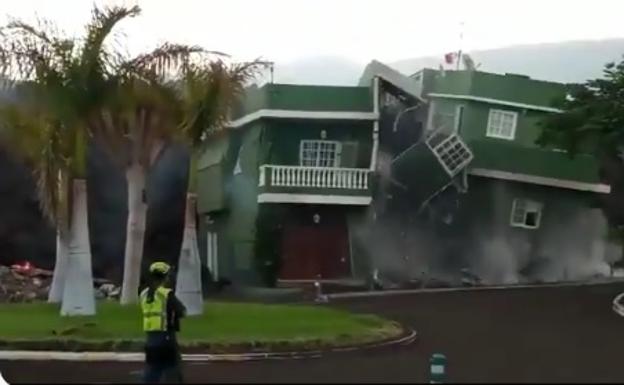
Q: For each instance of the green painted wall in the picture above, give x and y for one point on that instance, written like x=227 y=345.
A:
x=520 y=155
x=512 y=88
x=210 y=176
x=238 y=229
x=306 y=98
x=475 y=120
x=283 y=139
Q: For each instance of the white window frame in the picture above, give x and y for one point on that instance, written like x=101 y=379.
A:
x=492 y=132
x=338 y=146
x=459 y=117
x=452 y=153
x=530 y=207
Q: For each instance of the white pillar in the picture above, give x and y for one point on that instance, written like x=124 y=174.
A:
x=135 y=233
x=188 y=283
x=78 y=292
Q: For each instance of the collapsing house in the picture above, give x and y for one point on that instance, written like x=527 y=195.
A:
x=423 y=177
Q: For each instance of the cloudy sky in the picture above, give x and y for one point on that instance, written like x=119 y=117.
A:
x=388 y=30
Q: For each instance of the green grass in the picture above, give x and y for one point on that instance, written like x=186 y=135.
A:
x=221 y=323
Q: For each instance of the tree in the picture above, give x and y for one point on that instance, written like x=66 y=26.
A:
x=63 y=87
x=209 y=93
x=592 y=122
x=592 y=117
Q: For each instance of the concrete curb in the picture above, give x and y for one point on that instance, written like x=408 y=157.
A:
x=391 y=292
x=617 y=305
x=21 y=355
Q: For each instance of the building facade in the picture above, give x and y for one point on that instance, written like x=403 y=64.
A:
x=420 y=177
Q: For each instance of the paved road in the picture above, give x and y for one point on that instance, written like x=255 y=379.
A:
x=563 y=334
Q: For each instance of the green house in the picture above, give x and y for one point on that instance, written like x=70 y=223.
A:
x=519 y=212
x=298 y=153
x=406 y=176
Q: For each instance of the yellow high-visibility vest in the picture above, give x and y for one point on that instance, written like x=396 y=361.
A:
x=155 y=312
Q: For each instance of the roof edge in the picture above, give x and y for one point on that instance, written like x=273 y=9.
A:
x=543 y=181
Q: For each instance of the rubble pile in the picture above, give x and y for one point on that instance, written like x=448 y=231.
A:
x=26 y=283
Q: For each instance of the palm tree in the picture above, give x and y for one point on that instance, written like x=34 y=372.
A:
x=86 y=90
x=209 y=94
x=63 y=87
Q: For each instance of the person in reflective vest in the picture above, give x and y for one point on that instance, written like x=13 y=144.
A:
x=162 y=311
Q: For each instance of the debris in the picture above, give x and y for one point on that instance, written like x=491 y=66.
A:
x=24 y=282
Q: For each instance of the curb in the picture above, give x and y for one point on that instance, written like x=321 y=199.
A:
x=17 y=355
x=617 y=306
x=389 y=292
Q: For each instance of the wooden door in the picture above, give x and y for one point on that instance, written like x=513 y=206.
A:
x=310 y=251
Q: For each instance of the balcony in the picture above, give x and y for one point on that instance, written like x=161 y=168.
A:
x=314 y=185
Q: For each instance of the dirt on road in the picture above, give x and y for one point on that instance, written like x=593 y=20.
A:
x=554 y=334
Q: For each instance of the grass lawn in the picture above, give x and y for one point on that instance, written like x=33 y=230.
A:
x=221 y=324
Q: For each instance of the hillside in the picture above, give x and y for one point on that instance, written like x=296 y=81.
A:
x=573 y=61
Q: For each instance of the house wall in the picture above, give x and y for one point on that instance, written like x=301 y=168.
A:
x=306 y=98
x=509 y=87
x=475 y=121
x=473 y=231
x=283 y=138
x=234 y=220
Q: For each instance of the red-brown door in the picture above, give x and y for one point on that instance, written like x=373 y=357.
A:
x=309 y=251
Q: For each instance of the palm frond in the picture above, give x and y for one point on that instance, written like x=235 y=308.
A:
x=210 y=94
x=42 y=145
x=167 y=59
x=94 y=57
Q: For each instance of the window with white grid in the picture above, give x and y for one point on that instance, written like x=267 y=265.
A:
x=502 y=124
x=526 y=214
x=453 y=154
x=319 y=153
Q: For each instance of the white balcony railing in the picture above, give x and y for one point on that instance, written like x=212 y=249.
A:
x=314 y=177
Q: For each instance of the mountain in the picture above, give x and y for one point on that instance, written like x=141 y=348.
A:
x=320 y=70
x=572 y=61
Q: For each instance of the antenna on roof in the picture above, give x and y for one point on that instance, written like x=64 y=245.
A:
x=461 y=43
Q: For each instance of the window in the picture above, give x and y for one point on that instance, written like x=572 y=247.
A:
x=526 y=214
x=319 y=153
x=445 y=118
x=452 y=153
x=502 y=124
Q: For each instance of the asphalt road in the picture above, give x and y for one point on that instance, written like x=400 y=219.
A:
x=562 y=334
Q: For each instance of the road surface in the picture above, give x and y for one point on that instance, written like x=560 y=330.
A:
x=561 y=334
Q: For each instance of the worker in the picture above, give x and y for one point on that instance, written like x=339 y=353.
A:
x=162 y=311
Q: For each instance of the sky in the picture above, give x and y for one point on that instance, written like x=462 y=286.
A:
x=358 y=30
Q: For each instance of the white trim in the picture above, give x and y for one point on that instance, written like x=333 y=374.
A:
x=496 y=101
x=490 y=128
x=459 y=115
x=299 y=114
x=337 y=153
x=439 y=152
x=212 y=254
x=375 y=149
x=430 y=113
x=314 y=199
x=552 y=182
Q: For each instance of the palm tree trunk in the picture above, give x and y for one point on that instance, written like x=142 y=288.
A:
x=60 y=267
x=135 y=233
x=78 y=292
x=55 y=295
x=188 y=282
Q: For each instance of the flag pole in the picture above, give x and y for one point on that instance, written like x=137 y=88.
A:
x=461 y=43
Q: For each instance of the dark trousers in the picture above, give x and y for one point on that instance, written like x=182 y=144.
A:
x=162 y=359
